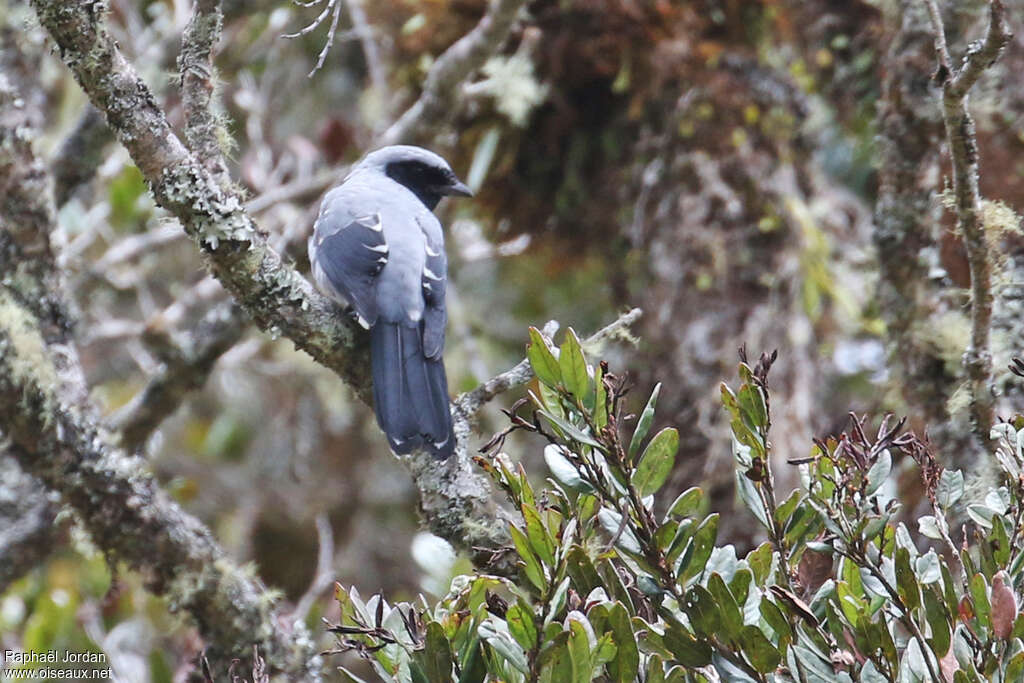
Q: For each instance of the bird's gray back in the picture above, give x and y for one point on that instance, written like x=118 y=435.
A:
x=409 y=228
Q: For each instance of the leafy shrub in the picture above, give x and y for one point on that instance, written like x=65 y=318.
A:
x=610 y=589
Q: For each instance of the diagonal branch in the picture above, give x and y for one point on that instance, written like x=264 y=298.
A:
x=963 y=150
x=52 y=430
x=452 y=69
x=455 y=499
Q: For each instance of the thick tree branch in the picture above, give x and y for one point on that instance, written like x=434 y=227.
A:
x=51 y=429
x=455 y=498
x=963 y=150
x=27 y=531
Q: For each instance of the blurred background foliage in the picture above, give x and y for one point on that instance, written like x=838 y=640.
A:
x=712 y=162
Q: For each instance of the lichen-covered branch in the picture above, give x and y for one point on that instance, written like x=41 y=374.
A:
x=51 y=428
x=906 y=232
x=198 y=82
x=451 y=70
x=27 y=531
x=126 y=512
x=456 y=499
x=963 y=151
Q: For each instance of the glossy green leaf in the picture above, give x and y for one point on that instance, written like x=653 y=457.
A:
x=656 y=462
x=906 y=580
x=436 y=657
x=543 y=362
x=540 y=540
x=627 y=657
x=728 y=607
x=759 y=650
x=686 y=503
x=686 y=649
x=703 y=543
x=520 y=624
x=573 y=366
x=579 y=651
x=643 y=425
x=531 y=565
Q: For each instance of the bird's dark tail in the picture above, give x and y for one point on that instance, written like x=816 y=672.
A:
x=410 y=391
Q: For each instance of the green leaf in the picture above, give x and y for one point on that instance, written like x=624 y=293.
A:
x=656 y=462
x=573 y=366
x=554 y=660
x=950 y=488
x=906 y=580
x=751 y=400
x=495 y=633
x=543 y=362
x=581 y=571
x=760 y=561
x=520 y=624
x=436 y=657
x=474 y=668
x=686 y=649
x=643 y=425
x=759 y=650
x=600 y=399
x=879 y=471
x=627 y=657
x=531 y=565
x=703 y=544
x=579 y=650
x=939 y=620
x=1015 y=668
x=686 y=503
x=776 y=619
x=979 y=596
x=570 y=430
x=728 y=608
x=703 y=610
x=537 y=533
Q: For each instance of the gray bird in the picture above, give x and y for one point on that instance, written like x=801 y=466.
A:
x=378 y=247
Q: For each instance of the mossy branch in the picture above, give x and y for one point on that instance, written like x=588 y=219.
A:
x=963 y=150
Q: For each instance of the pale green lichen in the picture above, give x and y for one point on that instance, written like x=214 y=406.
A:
x=210 y=215
x=27 y=361
x=513 y=85
x=947 y=334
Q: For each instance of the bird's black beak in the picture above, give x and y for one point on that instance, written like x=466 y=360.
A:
x=458 y=188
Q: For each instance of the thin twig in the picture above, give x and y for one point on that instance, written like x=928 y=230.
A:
x=324 y=576
x=470 y=402
x=963 y=150
x=195 y=63
x=371 y=51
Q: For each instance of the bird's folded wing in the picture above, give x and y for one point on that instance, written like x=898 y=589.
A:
x=435 y=280
x=351 y=259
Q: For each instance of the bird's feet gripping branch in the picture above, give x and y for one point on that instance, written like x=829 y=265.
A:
x=378 y=247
